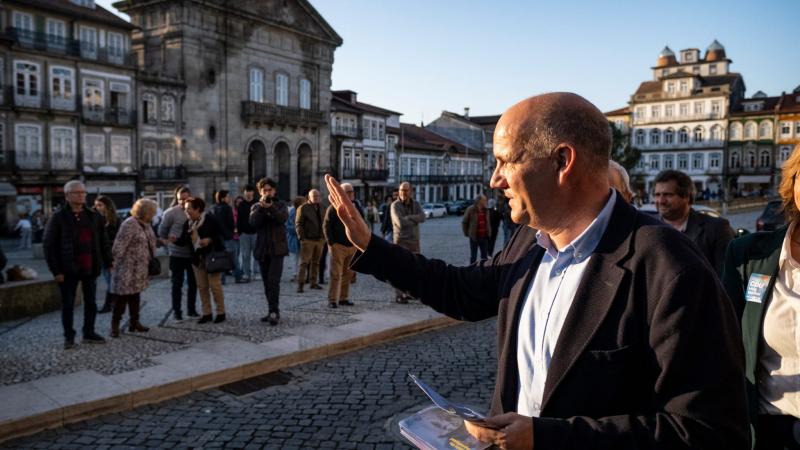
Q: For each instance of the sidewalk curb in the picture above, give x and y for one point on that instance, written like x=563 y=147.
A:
x=27 y=408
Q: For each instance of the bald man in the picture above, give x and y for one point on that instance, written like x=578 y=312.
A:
x=613 y=333
x=619 y=180
x=308 y=225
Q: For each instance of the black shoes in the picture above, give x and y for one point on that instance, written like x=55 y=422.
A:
x=220 y=318
x=346 y=303
x=69 y=344
x=300 y=289
x=316 y=286
x=332 y=305
x=94 y=338
x=193 y=314
x=272 y=318
x=205 y=319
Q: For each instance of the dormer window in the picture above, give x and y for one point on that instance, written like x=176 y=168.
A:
x=712 y=69
x=85 y=3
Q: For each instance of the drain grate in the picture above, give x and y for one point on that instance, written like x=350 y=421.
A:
x=257 y=383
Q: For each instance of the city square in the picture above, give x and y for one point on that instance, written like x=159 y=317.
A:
x=245 y=224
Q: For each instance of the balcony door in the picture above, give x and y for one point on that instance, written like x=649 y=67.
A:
x=304 y=173
x=256 y=162
x=282 y=169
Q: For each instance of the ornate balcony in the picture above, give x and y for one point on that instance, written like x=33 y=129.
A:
x=163 y=173
x=353 y=132
x=119 y=117
x=256 y=113
x=365 y=174
x=15 y=161
x=68 y=47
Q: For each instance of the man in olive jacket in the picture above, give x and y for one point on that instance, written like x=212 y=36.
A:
x=476 y=225
x=268 y=219
x=308 y=224
x=76 y=248
x=613 y=330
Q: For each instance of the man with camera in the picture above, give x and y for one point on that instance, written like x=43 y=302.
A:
x=268 y=217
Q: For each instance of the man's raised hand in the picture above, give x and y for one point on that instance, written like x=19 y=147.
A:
x=356 y=228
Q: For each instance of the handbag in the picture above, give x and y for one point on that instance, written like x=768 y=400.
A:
x=218 y=261
x=154 y=265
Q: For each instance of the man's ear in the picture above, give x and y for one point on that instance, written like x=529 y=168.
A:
x=565 y=159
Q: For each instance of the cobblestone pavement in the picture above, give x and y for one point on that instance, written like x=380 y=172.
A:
x=32 y=348
x=352 y=401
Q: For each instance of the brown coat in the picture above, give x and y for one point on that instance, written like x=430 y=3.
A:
x=131 y=256
x=308 y=222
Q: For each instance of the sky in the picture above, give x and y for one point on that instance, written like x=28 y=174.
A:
x=421 y=57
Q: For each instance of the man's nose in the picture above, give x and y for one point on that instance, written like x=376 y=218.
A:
x=498 y=181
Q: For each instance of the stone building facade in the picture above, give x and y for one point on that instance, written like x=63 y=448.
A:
x=250 y=82
x=67 y=104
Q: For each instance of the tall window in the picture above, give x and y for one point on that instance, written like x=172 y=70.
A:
x=23 y=24
x=751 y=159
x=683 y=161
x=735 y=130
x=764 y=159
x=697 y=161
x=27 y=79
x=639 y=137
x=715 y=108
x=765 y=130
x=62 y=147
x=698 y=134
x=168 y=154
x=712 y=69
x=62 y=83
x=716 y=133
x=786 y=151
x=282 y=89
x=797 y=126
x=56 y=33
x=655 y=162
x=684 y=87
x=149 y=111
x=94 y=148
x=735 y=160
x=669 y=110
x=669 y=162
x=256 y=85
x=88 y=42
x=167 y=109
x=655 y=111
x=683 y=136
x=684 y=109
x=28 y=146
x=305 y=94
x=120 y=149
x=639 y=113
x=655 y=136
x=713 y=160
x=786 y=128
x=750 y=130
x=150 y=154
x=671 y=87
x=116 y=47
x=669 y=136
x=698 y=108
x=93 y=94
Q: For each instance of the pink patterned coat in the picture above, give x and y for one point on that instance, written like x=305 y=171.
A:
x=131 y=256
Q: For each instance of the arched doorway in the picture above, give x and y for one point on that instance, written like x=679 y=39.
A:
x=282 y=169
x=304 y=173
x=256 y=162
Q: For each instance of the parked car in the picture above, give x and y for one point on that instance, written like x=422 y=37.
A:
x=772 y=217
x=458 y=207
x=434 y=210
x=651 y=209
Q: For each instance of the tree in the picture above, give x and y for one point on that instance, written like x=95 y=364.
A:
x=621 y=150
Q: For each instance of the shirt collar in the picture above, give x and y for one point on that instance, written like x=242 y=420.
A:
x=584 y=245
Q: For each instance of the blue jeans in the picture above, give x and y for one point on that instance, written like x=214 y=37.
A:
x=179 y=269
x=232 y=247
x=247 y=243
x=68 y=289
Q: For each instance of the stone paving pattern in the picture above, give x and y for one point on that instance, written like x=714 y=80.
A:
x=32 y=348
x=354 y=401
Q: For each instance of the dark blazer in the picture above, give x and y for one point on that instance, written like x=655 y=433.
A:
x=270 y=227
x=3 y=262
x=650 y=355
x=755 y=253
x=308 y=222
x=712 y=235
x=224 y=214
x=209 y=229
x=333 y=228
x=243 y=210
x=61 y=239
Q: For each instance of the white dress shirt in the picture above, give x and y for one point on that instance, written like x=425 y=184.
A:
x=547 y=304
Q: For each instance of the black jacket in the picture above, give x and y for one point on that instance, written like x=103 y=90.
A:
x=270 y=226
x=243 y=223
x=224 y=214
x=334 y=229
x=650 y=354
x=61 y=238
x=712 y=236
x=3 y=262
x=209 y=229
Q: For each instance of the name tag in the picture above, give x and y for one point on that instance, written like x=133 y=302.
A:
x=757 y=287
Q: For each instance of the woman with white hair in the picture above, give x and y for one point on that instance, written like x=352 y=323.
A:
x=133 y=247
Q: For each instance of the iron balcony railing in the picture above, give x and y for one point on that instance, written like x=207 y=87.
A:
x=68 y=47
x=365 y=174
x=163 y=173
x=268 y=113
x=441 y=179
x=121 y=117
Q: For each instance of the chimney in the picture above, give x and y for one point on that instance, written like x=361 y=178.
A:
x=353 y=97
x=466 y=112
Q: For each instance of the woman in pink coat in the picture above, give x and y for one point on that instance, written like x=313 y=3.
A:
x=133 y=247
